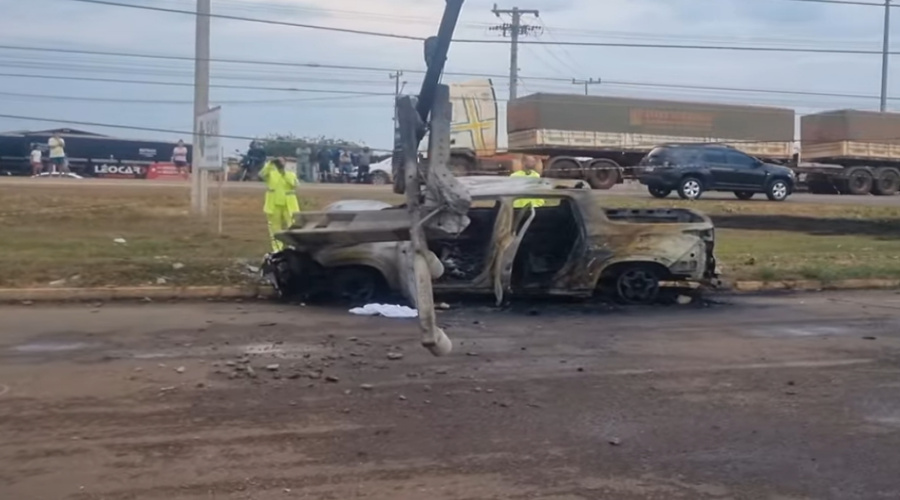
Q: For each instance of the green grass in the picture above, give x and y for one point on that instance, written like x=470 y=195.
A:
x=55 y=232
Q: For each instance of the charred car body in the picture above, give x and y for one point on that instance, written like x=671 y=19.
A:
x=570 y=246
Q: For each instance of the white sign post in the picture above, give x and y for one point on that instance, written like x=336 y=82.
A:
x=207 y=152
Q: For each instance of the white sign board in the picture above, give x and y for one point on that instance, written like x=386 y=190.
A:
x=208 y=150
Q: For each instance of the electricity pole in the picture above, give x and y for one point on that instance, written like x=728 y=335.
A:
x=200 y=177
x=884 y=54
x=587 y=83
x=397 y=89
x=514 y=30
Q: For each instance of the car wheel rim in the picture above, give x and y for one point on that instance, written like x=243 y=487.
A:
x=692 y=189
x=779 y=190
x=638 y=286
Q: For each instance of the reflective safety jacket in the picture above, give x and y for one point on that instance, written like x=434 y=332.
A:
x=281 y=194
x=524 y=202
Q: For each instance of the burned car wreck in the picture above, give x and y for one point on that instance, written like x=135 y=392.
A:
x=571 y=246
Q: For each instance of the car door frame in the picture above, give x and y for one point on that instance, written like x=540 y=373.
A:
x=749 y=177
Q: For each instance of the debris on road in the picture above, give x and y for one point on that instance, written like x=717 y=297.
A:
x=387 y=310
x=273 y=367
x=181 y=369
x=332 y=379
x=177 y=266
x=394 y=356
x=367 y=387
x=615 y=441
x=120 y=241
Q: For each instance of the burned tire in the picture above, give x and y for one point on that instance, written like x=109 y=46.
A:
x=690 y=188
x=659 y=192
x=637 y=284
x=744 y=195
x=887 y=182
x=602 y=174
x=778 y=190
x=357 y=285
x=859 y=181
x=380 y=178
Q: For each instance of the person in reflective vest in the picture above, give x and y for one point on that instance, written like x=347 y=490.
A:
x=281 y=199
x=529 y=165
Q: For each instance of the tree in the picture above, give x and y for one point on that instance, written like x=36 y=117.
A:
x=287 y=144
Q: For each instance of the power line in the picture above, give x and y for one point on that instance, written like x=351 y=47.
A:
x=131 y=127
x=255 y=20
x=742 y=48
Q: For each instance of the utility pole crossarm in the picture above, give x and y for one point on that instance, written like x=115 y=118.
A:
x=587 y=83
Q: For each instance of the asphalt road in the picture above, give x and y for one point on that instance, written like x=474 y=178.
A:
x=628 y=190
x=781 y=398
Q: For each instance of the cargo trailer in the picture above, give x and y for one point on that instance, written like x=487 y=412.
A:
x=850 y=152
x=602 y=139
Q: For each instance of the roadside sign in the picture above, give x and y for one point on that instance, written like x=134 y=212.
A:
x=208 y=150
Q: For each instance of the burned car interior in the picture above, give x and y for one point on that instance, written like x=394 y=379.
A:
x=547 y=245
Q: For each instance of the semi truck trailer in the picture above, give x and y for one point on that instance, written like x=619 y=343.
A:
x=603 y=139
x=850 y=152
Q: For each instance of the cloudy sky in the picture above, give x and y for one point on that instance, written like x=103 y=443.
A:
x=312 y=101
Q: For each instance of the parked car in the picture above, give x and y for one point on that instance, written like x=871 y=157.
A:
x=570 y=246
x=381 y=173
x=692 y=169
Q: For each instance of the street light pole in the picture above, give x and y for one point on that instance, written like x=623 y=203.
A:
x=885 y=53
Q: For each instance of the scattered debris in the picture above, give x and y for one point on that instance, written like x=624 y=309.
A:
x=161 y=281
x=294 y=376
x=167 y=389
x=273 y=367
x=353 y=339
x=367 y=387
x=200 y=385
x=332 y=379
x=250 y=371
x=402 y=397
x=615 y=441
x=267 y=324
x=870 y=338
x=442 y=306
x=177 y=266
x=386 y=310
x=314 y=375
x=394 y=356
x=472 y=354
x=684 y=300
x=120 y=241
x=27 y=303
x=181 y=369
x=230 y=363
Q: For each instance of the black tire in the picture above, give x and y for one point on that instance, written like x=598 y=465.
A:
x=357 y=286
x=690 y=188
x=659 y=192
x=778 y=190
x=637 y=285
x=563 y=168
x=602 y=174
x=859 y=181
x=887 y=182
x=744 y=195
x=380 y=178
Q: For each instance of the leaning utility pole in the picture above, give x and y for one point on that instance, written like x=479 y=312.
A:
x=884 y=54
x=514 y=30
x=199 y=176
x=587 y=83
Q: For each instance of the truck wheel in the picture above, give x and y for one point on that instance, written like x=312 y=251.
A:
x=887 y=182
x=563 y=168
x=778 y=190
x=659 y=192
x=602 y=174
x=380 y=178
x=859 y=181
x=638 y=284
x=744 y=195
x=691 y=188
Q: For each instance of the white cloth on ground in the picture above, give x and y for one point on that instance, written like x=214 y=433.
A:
x=386 y=310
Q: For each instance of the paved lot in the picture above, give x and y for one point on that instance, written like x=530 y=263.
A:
x=793 y=397
x=629 y=190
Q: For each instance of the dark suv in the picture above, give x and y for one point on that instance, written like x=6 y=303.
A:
x=691 y=169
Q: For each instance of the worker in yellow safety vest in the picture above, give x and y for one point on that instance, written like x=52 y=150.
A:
x=281 y=198
x=529 y=165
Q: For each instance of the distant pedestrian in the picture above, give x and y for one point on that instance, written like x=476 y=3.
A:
x=365 y=161
x=180 y=157
x=345 y=165
x=57 y=147
x=37 y=161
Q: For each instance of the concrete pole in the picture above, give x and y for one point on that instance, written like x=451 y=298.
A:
x=199 y=179
x=514 y=55
x=885 y=53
